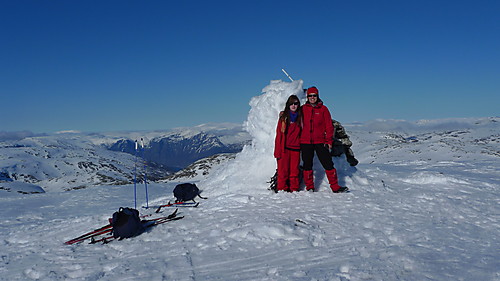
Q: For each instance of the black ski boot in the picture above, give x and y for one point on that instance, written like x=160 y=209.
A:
x=342 y=189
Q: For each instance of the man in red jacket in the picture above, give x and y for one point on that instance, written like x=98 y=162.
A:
x=317 y=136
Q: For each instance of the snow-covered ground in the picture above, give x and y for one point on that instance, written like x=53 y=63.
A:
x=424 y=205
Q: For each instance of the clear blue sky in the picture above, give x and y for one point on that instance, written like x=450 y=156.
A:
x=144 y=65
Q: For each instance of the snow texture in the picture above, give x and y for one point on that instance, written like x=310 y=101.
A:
x=424 y=205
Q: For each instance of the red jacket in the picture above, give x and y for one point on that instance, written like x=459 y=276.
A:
x=317 y=124
x=286 y=137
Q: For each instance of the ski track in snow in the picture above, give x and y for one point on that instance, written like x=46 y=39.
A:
x=422 y=207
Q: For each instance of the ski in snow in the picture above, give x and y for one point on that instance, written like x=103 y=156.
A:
x=176 y=204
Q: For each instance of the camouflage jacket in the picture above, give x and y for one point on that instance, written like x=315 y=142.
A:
x=340 y=136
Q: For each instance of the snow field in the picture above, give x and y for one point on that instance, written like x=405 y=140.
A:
x=379 y=231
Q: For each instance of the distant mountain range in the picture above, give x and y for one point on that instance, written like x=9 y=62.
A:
x=177 y=151
x=63 y=162
x=77 y=160
x=384 y=141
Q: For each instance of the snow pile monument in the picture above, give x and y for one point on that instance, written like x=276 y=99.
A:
x=248 y=173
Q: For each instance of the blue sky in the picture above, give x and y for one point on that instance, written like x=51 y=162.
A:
x=152 y=65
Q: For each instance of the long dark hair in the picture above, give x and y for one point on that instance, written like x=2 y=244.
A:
x=286 y=112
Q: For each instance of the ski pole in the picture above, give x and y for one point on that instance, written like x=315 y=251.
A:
x=145 y=173
x=135 y=176
x=284 y=71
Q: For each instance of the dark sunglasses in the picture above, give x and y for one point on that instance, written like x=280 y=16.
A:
x=312 y=96
x=295 y=103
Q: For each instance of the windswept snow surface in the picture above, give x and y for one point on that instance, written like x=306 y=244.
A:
x=424 y=205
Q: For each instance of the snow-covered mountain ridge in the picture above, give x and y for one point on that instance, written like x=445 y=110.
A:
x=384 y=141
x=72 y=161
x=178 y=150
x=67 y=161
x=64 y=162
x=471 y=139
x=201 y=168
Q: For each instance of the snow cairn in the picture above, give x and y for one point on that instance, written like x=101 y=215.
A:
x=249 y=172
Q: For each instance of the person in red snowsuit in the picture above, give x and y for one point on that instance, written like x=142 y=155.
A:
x=317 y=136
x=287 y=145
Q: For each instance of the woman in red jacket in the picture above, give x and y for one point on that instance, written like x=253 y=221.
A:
x=317 y=136
x=287 y=145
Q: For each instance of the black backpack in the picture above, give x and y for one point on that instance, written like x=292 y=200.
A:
x=186 y=191
x=126 y=223
x=274 y=182
x=337 y=148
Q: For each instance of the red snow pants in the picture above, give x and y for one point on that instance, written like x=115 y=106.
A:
x=288 y=170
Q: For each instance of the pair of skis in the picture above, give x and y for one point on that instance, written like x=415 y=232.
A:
x=89 y=235
x=92 y=235
x=147 y=224
x=175 y=204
